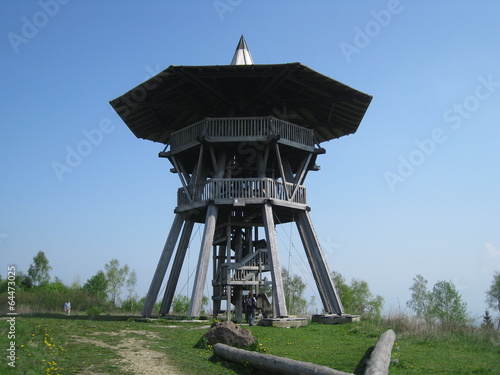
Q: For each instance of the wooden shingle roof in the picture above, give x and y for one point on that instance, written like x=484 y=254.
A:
x=182 y=95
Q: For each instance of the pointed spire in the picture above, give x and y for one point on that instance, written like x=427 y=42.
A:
x=242 y=54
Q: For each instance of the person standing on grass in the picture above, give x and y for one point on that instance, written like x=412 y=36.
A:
x=67 y=307
x=250 y=306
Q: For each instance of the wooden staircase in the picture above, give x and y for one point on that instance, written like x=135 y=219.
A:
x=241 y=270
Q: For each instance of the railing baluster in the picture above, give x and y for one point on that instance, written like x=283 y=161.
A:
x=241 y=188
x=242 y=127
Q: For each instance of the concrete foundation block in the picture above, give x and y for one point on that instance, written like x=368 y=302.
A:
x=335 y=319
x=283 y=322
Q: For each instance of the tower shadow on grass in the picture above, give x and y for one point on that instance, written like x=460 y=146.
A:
x=110 y=318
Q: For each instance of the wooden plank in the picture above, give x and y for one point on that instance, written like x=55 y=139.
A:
x=294 y=144
x=244 y=282
x=238 y=139
x=191 y=206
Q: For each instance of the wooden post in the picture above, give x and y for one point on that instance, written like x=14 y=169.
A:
x=176 y=267
x=238 y=308
x=278 y=292
x=201 y=272
x=162 y=266
x=272 y=364
x=229 y=289
x=326 y=288
x=380 y=359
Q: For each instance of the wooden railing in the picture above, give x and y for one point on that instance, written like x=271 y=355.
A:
x=248 y=268
x=237 y=188
x=228 y=128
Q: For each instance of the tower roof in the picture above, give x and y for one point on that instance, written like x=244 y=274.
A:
x=242 y=54
x=182 y=95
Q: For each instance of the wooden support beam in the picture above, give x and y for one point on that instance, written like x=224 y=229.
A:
x=287 y=168
x=218 y=259
x=238 y=308
x=261 y=164
x=282 y=171
x=181 y=177
x=272 y=245
x=266 y=154
x=301 y=173
x=271 y=85
x=162 y=266
x=185 y=174
x=199 y=174
x=205 y=250
x=198 y=170
x=213 y=158
x=228 y=274
x=216 y=93
x=176 y=267
x=328 y=292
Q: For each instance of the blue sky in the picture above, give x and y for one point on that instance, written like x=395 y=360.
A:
x=414 y=191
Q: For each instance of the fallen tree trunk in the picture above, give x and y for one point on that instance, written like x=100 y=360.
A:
x=272 y=363
x=380 y=358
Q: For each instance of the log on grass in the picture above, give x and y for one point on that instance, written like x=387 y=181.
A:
x=380 y=358
x=272 y=363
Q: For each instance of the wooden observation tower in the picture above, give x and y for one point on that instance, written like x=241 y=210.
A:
x=241 y=138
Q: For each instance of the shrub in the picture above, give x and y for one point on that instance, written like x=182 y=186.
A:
x=93 y=311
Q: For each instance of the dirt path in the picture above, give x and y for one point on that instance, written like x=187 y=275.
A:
x=136 y=357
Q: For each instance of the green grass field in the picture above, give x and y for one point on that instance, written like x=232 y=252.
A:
x=58 y=344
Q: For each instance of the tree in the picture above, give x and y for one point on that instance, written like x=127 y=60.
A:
x=420 y=297
x=131 y=304
x=39 y=270
x=131 y=284
x=116 y=277
x=363 y=300
x=56 y=286
x=447 y=305
x=487 y=321
x=293 y=288
x=22 y=281
x=97 y=285
x=443 y=304
x=204 y=304
x=180 y=304
x=493 y=294
x=357 y=297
